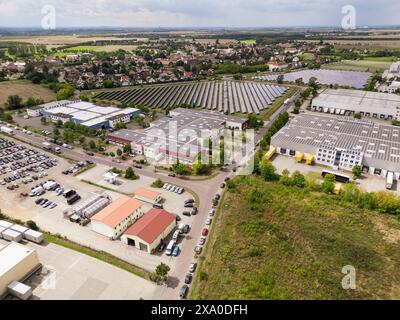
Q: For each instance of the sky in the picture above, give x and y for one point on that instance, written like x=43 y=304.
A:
x=197 y=13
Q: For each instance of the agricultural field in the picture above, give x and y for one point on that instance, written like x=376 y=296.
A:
x=273 y=242
x=25 y=89
x=327 y=77
x=107 y=48
x=251 y=41
x=61 y=40
x=225 y=96
x=360 y=65
x=380 y=44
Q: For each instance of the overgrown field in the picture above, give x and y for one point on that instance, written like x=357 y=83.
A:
x=25 y=89
x=273 y=241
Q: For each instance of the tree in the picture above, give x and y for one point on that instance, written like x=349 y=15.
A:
x=14 y=102
x=130 y=174
x=285 y=178
x=43 y=120
x=119 y=152
x=268 y=170
x=329 y=184
x=92 y=145
x=238 y=76
x=180 y=168
x=357 y=171
x=158 y=183
x=127 y=148
x=200 y=168
x=357 y=116
x=64 y=91
x=280 y=79
x=298 y=179
x=56 y=132
x=161 y=273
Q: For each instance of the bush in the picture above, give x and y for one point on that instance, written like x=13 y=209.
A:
x=32 y=225
x=130 y=174
x=158 y=184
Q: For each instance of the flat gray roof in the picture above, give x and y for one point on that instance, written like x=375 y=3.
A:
x=357 y=99
x=376 y=141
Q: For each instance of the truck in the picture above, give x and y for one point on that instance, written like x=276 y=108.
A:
x=7 y=130
x=47 y=146
x=389 y=180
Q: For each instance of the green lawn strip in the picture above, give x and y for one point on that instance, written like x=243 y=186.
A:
x=267 y=113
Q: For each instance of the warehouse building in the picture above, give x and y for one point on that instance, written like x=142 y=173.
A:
x=150 y=230
x=180 y=136
x=17 y=263
x=84 y=113
x=113 y=220
x=341 y=143
x=368 y=104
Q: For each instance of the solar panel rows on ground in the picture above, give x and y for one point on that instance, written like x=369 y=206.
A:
x=327 y=77
x=226 y=96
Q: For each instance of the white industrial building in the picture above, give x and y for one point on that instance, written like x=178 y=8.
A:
x=17 y=262
x=342 y=143
x=349 y=102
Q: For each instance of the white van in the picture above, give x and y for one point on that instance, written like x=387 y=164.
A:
x=170 y=247
x=176 y=235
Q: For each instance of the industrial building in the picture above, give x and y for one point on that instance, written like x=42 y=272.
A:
x=150 y=230
x=147 y=195
x=84 y=113
x=113 y=220
x=341 y=143
x=17 y=263
x=349 y=102
x=180 y=136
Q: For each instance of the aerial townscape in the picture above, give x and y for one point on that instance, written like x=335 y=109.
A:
x=188 y=162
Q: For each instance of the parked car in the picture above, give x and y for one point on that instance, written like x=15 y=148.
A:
x=189 y=205
x=189 y=201
x=202 y=241
x=188 y=278
x=183 y=291
x=178 y=218
x=194 y=211
x=192 y=267
x=186 y=213
x=176 y=251
x=211 y=213
x=161 y=247
x=208 y=221
x=198 y=249
x=222 y=186
x=172 y=175
x=204 y=232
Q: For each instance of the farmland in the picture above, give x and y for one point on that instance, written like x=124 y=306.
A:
x=360 y=65
x=25 y=89
x=225 y=96
x=276 y=242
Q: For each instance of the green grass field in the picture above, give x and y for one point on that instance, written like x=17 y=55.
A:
x=361 y=65
x=275 y=242
x=381 y=59
x=250 y=41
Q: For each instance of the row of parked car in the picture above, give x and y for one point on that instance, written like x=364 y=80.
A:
x=76 y=167
x=199 y=248
x=172 y=188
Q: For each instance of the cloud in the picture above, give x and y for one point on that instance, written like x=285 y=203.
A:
x=196 y=13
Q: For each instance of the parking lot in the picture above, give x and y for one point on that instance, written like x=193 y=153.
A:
x=69 y=275
x=367 y=182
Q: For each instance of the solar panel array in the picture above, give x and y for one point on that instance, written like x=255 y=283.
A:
x=353 y=79
x=224 y=96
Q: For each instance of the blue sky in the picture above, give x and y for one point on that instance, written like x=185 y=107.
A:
x=197 y=13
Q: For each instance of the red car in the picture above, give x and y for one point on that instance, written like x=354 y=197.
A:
x=204 y=232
